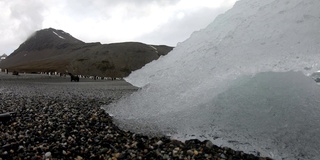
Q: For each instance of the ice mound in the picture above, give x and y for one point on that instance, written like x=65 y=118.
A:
x=220 y=83
x=275 y=114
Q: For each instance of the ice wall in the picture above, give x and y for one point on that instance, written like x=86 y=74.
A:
x=181 y=92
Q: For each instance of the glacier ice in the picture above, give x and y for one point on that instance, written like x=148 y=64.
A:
x=239 y=82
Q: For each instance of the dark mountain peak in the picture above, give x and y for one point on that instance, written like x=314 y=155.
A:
x=47 y=39
x=3 y=57
x=52 y=50
x=59 y=35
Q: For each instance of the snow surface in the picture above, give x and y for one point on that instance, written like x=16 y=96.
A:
x=58 y=35
x=235 y=82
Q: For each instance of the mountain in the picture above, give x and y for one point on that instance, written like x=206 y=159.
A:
x=50 y=50
x=47 y=39
x=3 y=57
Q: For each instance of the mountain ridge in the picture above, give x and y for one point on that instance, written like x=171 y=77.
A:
x=50 y=50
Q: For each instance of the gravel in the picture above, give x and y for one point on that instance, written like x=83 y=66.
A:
x=52 y=118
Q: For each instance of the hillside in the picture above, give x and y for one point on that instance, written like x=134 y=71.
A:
x=51 y=50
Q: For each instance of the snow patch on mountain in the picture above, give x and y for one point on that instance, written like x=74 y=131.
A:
x=58 y=35
x=155 y=49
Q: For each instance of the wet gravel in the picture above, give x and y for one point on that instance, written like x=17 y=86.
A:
x=53 y=118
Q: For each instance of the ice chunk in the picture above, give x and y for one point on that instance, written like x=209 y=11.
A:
x=275 y=114
x=204 y=76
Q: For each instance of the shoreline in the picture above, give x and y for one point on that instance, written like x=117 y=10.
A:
x=58 y=119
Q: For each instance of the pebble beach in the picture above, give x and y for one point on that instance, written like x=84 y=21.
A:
x=53 y=118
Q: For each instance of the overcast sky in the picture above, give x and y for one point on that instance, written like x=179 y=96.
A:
x=107 y=21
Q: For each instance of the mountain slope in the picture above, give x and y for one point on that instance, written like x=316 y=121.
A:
x=51 y=50
x=47 y=39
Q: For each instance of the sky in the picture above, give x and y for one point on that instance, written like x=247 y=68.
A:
x=158 y=22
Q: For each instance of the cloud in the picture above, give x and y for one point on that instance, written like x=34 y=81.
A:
x=109 y=21
x=106 y=21
x=180 y=27
x=18 y=20
x=27 y=18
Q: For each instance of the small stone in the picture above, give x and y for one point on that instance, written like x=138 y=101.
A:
x=166 y=156
x=79 y=158
x=209 y=144
x=223 y=156
x=207 y=156
x=159 y=143
x=103 y=150
x=134 y=144
x=158 y=152
x=133 y=155
x=20 y=148
x=195 y=152
x=117 y=155
x=174 y=151
x=64 y=152
x=47 y=155
x=189 y=152
x=127 y=146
